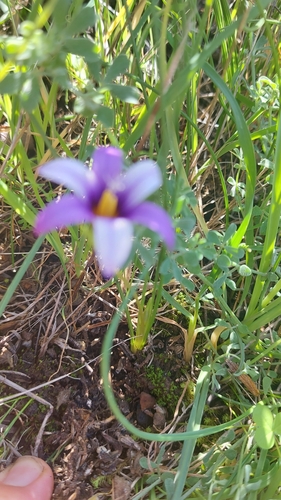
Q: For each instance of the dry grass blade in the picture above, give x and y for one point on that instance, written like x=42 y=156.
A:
x=40 y=400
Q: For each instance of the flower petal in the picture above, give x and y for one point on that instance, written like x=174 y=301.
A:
x=155 y=218
x=65 y=211
x=140 y=181
x=107 y=165
x=113 y=243
x=73 y=174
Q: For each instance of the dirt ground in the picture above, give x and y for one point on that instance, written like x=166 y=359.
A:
x=50 y=343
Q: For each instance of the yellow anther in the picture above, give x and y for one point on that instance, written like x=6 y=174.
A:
x=107 y=206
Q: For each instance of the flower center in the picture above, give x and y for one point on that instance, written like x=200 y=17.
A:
x=107 y=206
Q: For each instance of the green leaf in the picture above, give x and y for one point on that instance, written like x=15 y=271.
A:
x=145 y=465
x=12 y=83
x=264 y=437
x=209 y=253
x=244 y=270
x=186 y=224
x=95 y=69
x=192 y=258
x=106 y=116
x=177 y=273
x=262 y=414
x=223 y=261
x=277 y=424
x=235 y=253
x=229 y=232
x=169 y=487
x=119 y=66
x=174 y=303
x=214 y=237
x=264 y=434
x=82 y=47
x=230 y=453
x=80 y=22
x=231 y=284
x=60 y=15
x=88 y=104
x=30 y=94
x=125 y=93
x=219 y=282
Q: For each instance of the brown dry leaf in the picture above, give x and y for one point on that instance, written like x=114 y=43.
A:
x=244 y=379
x=159 y=418
x=172 y=322
x=146 y=401
x=6 y=357
x=127 y=441
x=216 y=334
x=63 y=397
x=121 y=488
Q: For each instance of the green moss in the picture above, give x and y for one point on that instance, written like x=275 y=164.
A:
x=99 y=481
x=163 y=388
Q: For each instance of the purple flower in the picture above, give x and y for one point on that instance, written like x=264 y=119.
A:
x=111 y=199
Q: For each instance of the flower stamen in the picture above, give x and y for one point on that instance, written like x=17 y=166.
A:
x=107 y=206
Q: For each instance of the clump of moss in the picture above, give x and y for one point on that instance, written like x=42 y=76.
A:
x=163 y=388
x=211 y=418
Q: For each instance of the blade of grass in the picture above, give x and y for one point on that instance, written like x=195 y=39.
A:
x=194 y=422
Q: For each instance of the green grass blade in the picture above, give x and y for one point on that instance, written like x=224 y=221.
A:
x=194 y=421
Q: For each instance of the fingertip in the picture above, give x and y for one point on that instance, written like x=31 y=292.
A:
x=28 y=478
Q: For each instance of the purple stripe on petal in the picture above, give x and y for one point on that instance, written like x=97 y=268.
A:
x=107 y=165
x=140 y=181
x=74 y=175
x=155 y=218
x=65 y=211
x=113 y=243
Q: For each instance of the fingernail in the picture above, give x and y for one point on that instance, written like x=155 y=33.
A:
x=23 y=472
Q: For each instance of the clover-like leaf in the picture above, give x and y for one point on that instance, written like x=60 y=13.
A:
x=264 y=433
x=244 y=270
x=277 y=424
